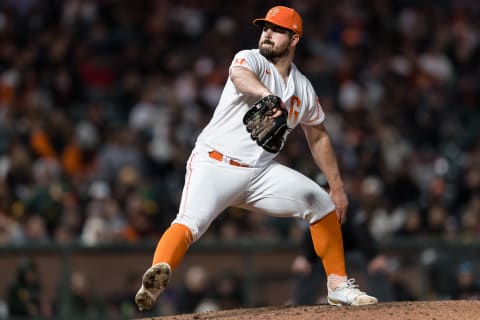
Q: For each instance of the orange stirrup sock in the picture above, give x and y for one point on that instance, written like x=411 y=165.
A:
x=328 y=243
x=173 y=245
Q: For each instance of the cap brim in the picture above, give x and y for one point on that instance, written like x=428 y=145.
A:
x=260 y=22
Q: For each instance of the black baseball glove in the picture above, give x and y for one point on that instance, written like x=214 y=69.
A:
x=268 y=132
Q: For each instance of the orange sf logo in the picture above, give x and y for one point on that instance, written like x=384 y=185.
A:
x=273 y=11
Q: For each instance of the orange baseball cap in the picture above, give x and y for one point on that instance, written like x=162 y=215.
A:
x=283 y=17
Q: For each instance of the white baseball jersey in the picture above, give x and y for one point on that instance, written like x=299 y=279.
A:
x=264 y=186
x=226 y=131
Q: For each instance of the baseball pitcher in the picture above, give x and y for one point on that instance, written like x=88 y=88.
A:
x=232 y=163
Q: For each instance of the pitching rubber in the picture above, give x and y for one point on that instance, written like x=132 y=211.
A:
x=154 y=282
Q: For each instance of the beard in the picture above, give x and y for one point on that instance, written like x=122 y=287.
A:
x=267 y=49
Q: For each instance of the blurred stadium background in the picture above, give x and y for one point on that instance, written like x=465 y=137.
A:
x=100 y=104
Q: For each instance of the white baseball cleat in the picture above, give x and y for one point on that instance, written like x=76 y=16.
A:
x=154 y=281
x=348 y=294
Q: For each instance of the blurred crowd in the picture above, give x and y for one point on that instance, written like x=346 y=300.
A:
x=101 y=102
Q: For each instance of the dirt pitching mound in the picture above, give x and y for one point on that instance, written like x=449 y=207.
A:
x=419 y=310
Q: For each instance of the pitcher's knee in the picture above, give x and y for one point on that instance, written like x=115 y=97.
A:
x=197 y=228
x=317 y=216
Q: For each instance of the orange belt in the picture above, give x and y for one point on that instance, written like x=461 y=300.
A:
x=220 y=157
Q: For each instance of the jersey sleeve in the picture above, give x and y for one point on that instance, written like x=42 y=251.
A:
x=247 y=59
x=314 y=113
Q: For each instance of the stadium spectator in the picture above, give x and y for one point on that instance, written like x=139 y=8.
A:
x=80 y=298
x=25 y=296
x=194 y=290
x=467 y=286
x=227 y=292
